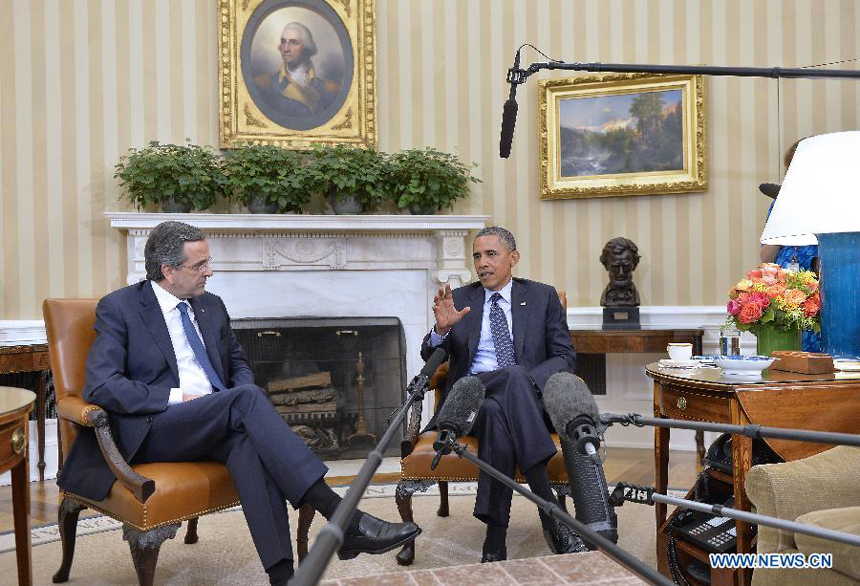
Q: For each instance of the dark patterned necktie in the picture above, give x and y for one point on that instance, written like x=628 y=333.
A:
x=199 y=349
x=501 y=333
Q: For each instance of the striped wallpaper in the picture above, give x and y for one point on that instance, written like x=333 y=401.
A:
x=83 y=80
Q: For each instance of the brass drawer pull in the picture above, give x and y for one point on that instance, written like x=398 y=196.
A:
x=346 y=333
x=18 y=439
x=682 y=403
x=268 y=333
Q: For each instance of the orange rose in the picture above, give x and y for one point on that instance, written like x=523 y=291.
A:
x=810 y=307
x=749 y=313
x=754 y=274
x=794 y=296
x=775 y=290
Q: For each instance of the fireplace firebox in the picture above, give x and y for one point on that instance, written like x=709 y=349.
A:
x=335 y=381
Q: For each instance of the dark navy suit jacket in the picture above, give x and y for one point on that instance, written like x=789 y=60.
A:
x=131 y=368
x=542 y=343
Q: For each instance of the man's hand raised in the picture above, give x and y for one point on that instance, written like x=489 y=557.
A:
x=444 y=310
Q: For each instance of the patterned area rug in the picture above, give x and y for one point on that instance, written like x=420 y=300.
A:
x=225 y=553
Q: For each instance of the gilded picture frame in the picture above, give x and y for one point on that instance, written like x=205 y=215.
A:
x=297 y=72
x=621 y=134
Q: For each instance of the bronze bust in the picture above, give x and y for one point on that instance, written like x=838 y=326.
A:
x=620 y=257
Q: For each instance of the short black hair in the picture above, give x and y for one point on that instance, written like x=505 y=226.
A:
x=506 y=238
x=165 y=247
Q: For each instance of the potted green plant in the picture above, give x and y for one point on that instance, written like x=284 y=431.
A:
x=178 y=177
x=427 y=180
x=267 y=178
x=353 y=178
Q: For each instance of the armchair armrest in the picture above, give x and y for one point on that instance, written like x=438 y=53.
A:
x=76 y=410
x=437 y=381
x=788 y=490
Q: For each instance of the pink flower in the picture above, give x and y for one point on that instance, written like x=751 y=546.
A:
x=749 y=313
x=759 y=298
x=811 y=306
x=733 y=307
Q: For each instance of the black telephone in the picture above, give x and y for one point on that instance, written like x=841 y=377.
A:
x=719 y=455
x=710 y=532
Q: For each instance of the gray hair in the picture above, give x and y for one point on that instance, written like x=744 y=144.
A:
x=165 y=246
x=305 y=37
x=506 y=238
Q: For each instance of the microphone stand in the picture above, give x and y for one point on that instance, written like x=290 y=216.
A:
x=647 y=495
x=331 y=536
x=753 y=431
x=556 y=512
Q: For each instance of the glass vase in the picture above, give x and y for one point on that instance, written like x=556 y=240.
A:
x=769 y=338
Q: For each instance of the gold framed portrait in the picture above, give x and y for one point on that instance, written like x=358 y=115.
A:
x=297 y=72
x=621 y=134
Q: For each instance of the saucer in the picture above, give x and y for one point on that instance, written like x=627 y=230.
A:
x=668 y=363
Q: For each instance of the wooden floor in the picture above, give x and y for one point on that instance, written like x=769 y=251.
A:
x=635 y=466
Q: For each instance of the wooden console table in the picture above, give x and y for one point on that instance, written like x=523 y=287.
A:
x=652 y=341
x=824 y=402
x=31 y=358
x=15 y=405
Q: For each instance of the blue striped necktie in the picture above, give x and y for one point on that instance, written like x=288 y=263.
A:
x=199 y=349
x=501 y=333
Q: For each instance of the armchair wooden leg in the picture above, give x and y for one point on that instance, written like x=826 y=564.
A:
x=306 y=517
x=443 y=499
x=67 y=519
x=403 y=498
x=191 y=531
x=144 y=546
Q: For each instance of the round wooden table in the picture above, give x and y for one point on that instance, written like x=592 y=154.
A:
x=15 y=405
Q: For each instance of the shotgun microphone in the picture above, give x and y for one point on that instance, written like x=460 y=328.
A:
x=509 y=112
x=574 y=414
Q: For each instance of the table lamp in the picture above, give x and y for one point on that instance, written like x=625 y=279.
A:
x=819 y=202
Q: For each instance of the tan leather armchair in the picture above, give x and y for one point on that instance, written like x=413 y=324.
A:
x=151 y=500
x=417 y=453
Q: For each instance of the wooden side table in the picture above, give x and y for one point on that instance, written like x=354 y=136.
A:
x=31 y=358
x=15 y=405
x=822 y=402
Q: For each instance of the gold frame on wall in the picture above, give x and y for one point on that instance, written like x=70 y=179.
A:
x=248 y=112
x=693 y=175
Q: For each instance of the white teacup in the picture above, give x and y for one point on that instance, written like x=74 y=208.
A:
x=680 y=351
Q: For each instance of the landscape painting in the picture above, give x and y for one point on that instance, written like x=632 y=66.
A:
x=622 y=134
x=628 y=133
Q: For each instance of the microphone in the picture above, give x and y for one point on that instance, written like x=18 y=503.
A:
x=509 y=112
x=457 y=414
x=422 y=379
x=573 y=413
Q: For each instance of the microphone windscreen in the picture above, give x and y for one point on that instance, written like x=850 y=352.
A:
x=509 y=120
x=433 y=362
x=566 y=397
x=462 y=404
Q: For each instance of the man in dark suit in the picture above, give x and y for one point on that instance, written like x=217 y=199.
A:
x=472 y=325
x=167 y=368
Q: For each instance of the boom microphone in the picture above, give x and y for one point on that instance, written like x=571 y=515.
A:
x=423 y=378
x=509 y=113
x=573 y=413
x=457 y=414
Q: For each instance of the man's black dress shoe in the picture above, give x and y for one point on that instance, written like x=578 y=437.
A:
x=563 y=539
x=376 y=536
x=498 y=555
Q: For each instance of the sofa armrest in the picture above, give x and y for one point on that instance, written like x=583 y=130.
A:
x=791 y=489
x=76 y=410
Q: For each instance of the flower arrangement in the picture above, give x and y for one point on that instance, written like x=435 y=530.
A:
x=773 y=296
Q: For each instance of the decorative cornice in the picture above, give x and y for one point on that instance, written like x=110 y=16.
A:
x=278 y=224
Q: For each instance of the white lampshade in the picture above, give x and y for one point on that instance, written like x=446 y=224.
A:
x=820 y=193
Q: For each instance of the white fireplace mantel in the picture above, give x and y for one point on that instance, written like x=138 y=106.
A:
x=273 y=265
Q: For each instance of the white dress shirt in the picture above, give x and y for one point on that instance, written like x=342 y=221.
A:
x=485 y=355
x=192 y=377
